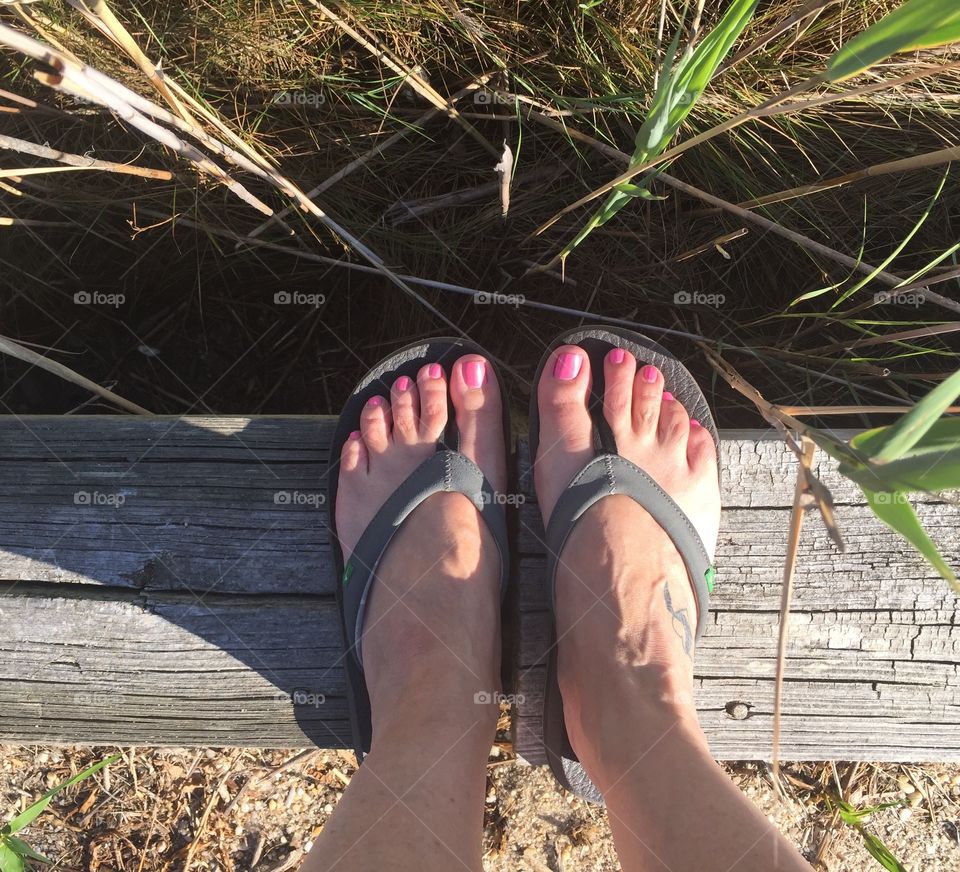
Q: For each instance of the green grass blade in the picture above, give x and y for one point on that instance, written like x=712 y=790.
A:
x=928 y=471
x=24 y=850
x=679 y=90
x=880 y=852
x=916 y=24
x=942 y=436
x=27 y=816
x=900 y=247
x=896 y=512
x=10 y=860
x=909 y=430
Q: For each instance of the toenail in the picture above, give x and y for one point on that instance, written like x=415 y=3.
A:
x=475 y=374
x=694 y=423
x=649 y=373
x=567 y=366
x=374 y=401
x=403 y=383
x=617 y=355
x=667 y=395
x=355 y=435
x=434 y=370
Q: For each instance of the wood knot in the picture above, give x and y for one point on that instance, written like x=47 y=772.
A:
x=737 y=710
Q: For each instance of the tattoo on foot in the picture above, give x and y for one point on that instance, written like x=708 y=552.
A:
x=681 y=623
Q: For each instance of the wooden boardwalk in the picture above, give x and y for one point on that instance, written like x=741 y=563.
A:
x=165 y=581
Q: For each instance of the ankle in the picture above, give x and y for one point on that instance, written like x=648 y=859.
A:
x=439 y=710
x=613 y=730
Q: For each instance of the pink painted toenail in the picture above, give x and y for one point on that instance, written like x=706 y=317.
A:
x=374 y=401
x=567 y=366
x=617 y=355
x=667 y=395
x=649 y=373
x=355 y=435
x=403 y=383
x=475 y=374
x=694 y=423
x=435 y=370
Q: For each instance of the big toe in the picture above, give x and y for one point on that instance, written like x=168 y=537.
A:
x=566 y=431
x=475 y=394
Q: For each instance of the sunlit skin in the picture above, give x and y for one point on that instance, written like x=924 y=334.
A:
x=624 y=619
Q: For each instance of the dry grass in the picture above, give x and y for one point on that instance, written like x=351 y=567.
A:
x=199 y=329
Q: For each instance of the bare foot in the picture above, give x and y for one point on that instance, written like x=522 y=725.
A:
x=625 y=611
x=431 y=631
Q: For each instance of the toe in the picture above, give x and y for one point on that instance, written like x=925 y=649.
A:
x=619 y=368
x=566 y=431
x=375 y=424
x=562 y=396
x=353 y=456
x=476 y=399
x=701 y=452
x=673 y=428
x=647 y=395
x=405 y=410
x=432 y=385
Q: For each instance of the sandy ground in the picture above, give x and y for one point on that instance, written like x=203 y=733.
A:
x=173 y=809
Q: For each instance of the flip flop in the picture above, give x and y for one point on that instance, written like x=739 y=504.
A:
x=446 y=471
x=610 y=473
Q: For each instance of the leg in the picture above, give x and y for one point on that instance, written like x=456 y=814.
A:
x=431 y=637
x=625 y=619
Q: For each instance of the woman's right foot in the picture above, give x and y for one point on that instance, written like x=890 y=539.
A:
x=625 y=611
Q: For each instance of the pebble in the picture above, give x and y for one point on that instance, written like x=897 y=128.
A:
x=905 y=814
x=916 y=799
x=328 y=809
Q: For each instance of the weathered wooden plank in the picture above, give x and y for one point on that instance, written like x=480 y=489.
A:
x=231 y=504
x=191 y=610
x=873 y=668
x=96 y=666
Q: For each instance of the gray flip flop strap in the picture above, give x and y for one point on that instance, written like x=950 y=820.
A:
x=445 y=471
x=609 y=474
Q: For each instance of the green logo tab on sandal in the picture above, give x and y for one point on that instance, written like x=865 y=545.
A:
x=347 y=573
x=708 y=577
